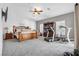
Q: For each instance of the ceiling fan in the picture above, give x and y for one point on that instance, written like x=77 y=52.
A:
x=37 y=10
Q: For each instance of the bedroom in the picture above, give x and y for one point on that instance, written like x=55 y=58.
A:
x=29 y=21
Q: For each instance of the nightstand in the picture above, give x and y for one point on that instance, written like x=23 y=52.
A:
x=8 y=35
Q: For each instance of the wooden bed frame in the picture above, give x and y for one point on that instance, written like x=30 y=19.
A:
x=27 y=35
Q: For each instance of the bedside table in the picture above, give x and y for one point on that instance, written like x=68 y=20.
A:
x=8 y=35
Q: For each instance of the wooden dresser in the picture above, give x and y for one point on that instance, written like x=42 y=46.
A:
x=8 y=36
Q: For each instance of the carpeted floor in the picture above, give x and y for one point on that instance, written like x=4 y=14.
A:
x=36 y=47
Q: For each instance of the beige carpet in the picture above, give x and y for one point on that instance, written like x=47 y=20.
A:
x=36 y=47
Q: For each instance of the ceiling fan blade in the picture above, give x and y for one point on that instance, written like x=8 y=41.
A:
x=38 y=12
x=41 y=11
x=33 y=13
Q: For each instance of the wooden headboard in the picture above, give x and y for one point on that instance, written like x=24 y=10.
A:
x=21 y=28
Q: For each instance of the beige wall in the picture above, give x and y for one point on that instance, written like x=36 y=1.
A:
x=69 y=20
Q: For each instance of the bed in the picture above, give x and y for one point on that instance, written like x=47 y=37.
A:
x=24 y=33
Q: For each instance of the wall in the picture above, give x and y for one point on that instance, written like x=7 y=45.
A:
x=17 y=16
x=69 y=19
x=1 y=39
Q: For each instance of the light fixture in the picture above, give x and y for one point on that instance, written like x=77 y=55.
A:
x=37 y=10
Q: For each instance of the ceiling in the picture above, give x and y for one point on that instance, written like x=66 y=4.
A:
x=23 y=10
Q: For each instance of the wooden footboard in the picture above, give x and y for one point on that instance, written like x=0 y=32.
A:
x=26 y=36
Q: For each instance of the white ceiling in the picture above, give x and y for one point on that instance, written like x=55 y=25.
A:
x=56 y=9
